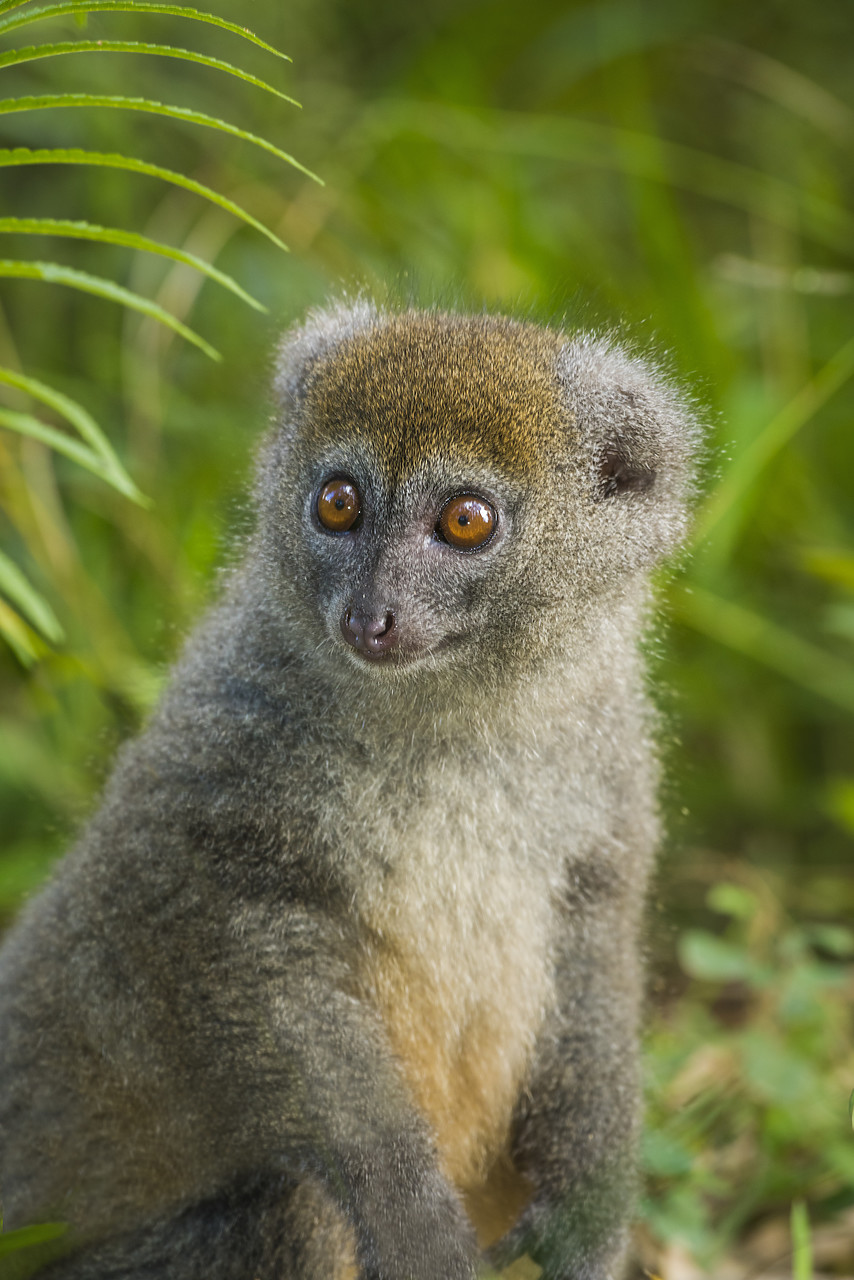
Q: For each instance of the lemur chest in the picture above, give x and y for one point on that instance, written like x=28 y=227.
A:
x=458 y=962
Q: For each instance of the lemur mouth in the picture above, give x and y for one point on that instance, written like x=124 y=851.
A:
x=404 y=657
x=387 y=657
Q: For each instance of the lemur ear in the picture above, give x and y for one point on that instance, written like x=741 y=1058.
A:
x=619 y=472
x=639 y=436
x=305 y=346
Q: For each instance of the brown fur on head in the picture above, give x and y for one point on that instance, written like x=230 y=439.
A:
x=581 y=448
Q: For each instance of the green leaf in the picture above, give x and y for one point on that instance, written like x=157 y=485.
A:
x=746 y=632
x=835 y=939
x=117 y=102
x=112 y=160
x=779 y=431
x=19 y=638
x=52 y=273
x=732 y=900
x=17 y=588
x=840 y=801
x=801 y=1242
x=26 y=1236
x=664 y=1155
x=833 y=564
x=803 y=989
x=26 y=425
x=113 y=235
x=713 y=959
x=33 y=52
x=84 y=423
x=778 y=1074
x=82 y=8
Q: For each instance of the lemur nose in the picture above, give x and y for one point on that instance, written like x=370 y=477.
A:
x=371 y=636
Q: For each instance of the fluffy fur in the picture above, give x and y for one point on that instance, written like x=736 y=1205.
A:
x=344 y=975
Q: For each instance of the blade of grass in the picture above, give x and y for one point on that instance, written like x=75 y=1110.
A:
x=112 y=160
x=776 y=434
x=20 y=640
x=746 y=632
x=52 y=273
x=801 y=1242
x=128 y=6
x=116 y=102
x=623 y=150
x=79 y=418
x=30 y=54
x=131 y=240
x=781 y=83
x=26 y=425
x=20 y=591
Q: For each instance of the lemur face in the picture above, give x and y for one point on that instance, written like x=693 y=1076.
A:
x=461 y=489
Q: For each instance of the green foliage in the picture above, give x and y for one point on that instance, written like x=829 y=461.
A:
x=749 y=1077
x=25 y=1251
x=801 y=1243
x=130 y=239
x=55 y=155
x=53 y=273
x=82 y=8
x=97 y=454
x=118 y=102
x=25 y=1237
x=16 y=56
x=17 y=589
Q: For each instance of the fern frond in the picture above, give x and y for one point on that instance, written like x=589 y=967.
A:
x=53 y=273
x=112 y=160
x=32 y=52
x=127 y=6
x=26 y=425
x=46 y=101
x=76 y=416
x=76 y=230
x=17 y=588
x=24 y=643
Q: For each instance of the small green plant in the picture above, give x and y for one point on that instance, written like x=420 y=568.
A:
x=750 y=1076
x=801 y=1242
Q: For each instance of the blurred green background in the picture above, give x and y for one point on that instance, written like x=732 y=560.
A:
x=682 y=171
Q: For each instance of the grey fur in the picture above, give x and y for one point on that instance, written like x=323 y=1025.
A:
x=347 y=944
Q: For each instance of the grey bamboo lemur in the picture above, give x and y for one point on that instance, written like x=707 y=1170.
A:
x=343 y=978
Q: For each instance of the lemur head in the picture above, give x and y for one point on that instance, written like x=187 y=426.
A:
x=445 y=489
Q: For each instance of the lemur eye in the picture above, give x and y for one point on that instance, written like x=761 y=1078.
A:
x=467 y=522
x=338 y=505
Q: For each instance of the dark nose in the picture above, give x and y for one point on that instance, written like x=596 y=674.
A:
x=372 y=636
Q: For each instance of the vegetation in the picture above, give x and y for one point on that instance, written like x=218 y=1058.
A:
x=680 y=169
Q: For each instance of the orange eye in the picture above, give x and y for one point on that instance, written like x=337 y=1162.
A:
x=338 y=505
x=467 y=522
